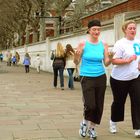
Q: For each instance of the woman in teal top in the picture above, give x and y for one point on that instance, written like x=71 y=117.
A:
x=91 y=64
x=93 y=55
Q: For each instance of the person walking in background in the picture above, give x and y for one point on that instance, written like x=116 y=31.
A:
x=27 y=63
x=38 y=63
x=70 y=65
x=1 y=56
x=92 y=52
x=17 y=57
x=14 y=60
x=125 y=78
x=9 y=57
x=59 y=65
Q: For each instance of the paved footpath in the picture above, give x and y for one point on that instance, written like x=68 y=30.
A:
x=31 y=109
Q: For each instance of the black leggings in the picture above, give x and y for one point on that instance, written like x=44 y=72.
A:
x=27 y=68
x=93 y=89
x=120 y=90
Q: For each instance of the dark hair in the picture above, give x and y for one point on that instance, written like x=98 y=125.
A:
x=69 y=49
x=94 y=22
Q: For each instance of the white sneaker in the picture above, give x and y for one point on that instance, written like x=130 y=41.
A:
x=83 y=129
x=137 y=133
x=112 y=127
x=92 y=134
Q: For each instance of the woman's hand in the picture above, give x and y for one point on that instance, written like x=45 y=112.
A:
x=78 y=53
x=77 y=56
x=111 y=54
x=130 y=59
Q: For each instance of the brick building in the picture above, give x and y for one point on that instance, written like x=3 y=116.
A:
x=110 y=12
x=104 y=13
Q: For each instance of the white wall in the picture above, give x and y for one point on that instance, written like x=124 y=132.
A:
x=44 y=48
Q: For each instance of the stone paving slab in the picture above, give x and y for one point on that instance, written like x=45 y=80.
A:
x=31 y=109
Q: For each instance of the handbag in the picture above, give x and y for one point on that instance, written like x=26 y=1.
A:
x=52 y=56
x=76 y=77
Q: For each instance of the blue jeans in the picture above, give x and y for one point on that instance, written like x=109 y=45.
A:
x=61 y=71
x=70 y=82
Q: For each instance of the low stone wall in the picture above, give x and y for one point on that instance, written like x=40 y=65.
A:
x=44 y=48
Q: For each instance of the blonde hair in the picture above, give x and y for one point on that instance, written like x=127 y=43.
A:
x=60 y=50
x=124 y=26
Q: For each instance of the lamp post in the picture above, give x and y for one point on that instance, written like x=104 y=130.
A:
x=54 y=17
x=42 y=17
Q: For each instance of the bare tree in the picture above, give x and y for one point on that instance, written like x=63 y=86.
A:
x=17 y=15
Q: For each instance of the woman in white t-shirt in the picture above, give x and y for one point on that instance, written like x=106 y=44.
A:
x=125 y=78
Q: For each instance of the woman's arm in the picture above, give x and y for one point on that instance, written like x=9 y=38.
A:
x=107 y=55
x=139 y=64
x=78 y=53
x=121 y=61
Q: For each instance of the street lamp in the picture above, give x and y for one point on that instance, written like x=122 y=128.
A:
x=41 y=15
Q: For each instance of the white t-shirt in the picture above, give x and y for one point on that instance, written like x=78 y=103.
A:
x=124 y=49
